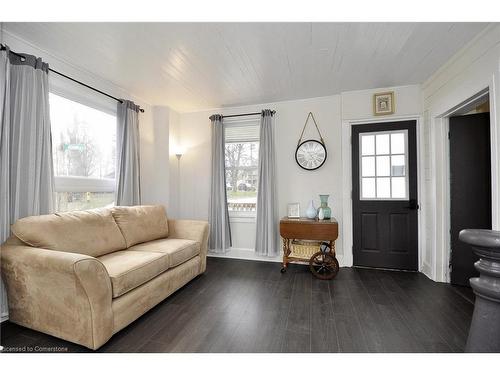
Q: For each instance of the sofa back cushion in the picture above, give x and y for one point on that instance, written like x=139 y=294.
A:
x=141 y=223
x=91 y=232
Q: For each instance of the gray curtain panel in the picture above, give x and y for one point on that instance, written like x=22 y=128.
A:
x=267 y=235
x=220 y=231
x=26 y=170
x=128 y=176
x=27 y=176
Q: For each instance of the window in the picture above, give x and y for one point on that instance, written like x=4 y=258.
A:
x=84 y=155
x=242 y=162
x=383 y=163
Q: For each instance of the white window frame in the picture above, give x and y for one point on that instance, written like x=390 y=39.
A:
x=406 y=176
x=75 y=184
x=242 y=122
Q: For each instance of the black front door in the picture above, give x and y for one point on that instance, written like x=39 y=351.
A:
x=470 y=188
x=384 y=195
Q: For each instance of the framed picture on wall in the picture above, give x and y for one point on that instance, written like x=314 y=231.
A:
x=293 y=210
x=383 y=103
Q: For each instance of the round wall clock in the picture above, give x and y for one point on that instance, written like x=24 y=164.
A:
x=310 y=154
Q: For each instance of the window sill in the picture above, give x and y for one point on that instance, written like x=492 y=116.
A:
x=242 y=218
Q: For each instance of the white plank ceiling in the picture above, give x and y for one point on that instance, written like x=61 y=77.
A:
x=192 y=66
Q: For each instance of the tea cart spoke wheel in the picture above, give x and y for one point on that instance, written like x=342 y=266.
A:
x=324 y=266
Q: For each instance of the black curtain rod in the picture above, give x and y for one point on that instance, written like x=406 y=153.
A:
x=246 y=114
x=72 y=79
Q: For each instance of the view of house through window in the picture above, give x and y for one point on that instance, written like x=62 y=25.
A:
x=242 y=161
x=84 y=155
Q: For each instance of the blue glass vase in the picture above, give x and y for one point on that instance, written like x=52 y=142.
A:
x=327 y=211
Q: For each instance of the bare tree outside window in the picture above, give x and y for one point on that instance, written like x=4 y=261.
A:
x=241 y=160
x=77 y=153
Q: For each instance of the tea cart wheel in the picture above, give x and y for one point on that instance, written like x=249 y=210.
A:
x=283 y=270
x=324 y=265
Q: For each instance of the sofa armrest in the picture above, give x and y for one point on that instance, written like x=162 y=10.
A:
x=67 y=295
x=196 y=230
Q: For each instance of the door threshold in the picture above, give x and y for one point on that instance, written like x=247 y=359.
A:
x=384 y=269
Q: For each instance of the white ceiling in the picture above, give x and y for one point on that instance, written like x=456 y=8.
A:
x=192 y=66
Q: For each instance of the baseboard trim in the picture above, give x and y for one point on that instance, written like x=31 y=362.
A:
x=249 y=254
x=426 y=270
x=246 y=254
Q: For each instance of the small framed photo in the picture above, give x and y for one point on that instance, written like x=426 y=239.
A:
x=383 y=103
x=293 y=210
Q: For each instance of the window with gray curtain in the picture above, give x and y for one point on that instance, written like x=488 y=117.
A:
x=220 y=231
x=267 y=234
x=26 y=170
x=128 y=180
x=242 y=164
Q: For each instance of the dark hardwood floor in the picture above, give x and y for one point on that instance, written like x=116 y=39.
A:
x=246 y=306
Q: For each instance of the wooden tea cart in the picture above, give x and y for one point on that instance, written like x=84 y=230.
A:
x=321 y=258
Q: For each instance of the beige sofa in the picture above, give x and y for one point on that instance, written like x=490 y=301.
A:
x=84 y=275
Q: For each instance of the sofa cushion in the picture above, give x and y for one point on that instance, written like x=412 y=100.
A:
x=91 y=232
x=129 y=269
x=141 y=223
x=179 y=251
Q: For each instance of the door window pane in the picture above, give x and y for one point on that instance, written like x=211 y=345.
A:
x=368 y=188
x=383 y=172
x=382 y=144
x=397 y=143
x=399 y=187
x=367 y=145
x=383 y=187
x=398 y=165
x=368 y=166
x=383 y=166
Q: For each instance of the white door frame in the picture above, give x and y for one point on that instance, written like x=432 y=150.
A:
x=442 y=208
x=347 y=226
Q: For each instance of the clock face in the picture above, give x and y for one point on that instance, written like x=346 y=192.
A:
x=310 y=155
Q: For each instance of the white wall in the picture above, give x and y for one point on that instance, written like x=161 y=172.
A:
x=358 y=105
x=473 y=69
x=155 y=171
x=294 y=183
x=174 y=164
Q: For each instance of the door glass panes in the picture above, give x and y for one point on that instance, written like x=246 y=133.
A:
x=398 y=187
x=383 y=165
x=382 y=144
x=398 y=165
x=368 y=166
x=368 y=187
x=368 y=145
x=383 y=187
x=398 y=141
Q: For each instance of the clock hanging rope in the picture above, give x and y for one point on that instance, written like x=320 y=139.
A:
x=311 y=153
